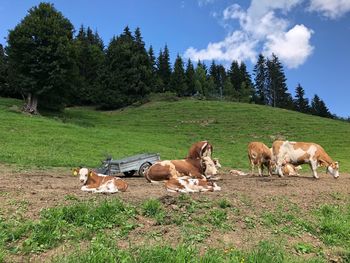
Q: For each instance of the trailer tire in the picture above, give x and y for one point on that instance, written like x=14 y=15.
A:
x=129 y=173
x=143 y=168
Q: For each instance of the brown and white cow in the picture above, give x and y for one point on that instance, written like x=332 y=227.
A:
x=198 y=168
x=259 y=155
x=98 y=183
x=200 y=149
x=303 y=152
x=190 y=185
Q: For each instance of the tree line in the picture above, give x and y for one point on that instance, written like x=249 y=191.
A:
x=49 y=67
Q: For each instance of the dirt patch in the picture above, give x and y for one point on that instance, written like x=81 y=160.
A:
x=252 y=195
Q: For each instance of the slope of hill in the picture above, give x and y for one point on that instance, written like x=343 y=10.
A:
x=83 y=136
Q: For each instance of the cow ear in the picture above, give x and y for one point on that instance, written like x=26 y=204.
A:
x=90 y=173
x=75 y=171
x=323 y=163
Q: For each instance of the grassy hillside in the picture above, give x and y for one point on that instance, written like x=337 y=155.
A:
x=82 y=136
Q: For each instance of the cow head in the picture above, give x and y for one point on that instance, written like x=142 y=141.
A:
x=208 y=167
x=216 y=162
x=83 y=175
x=333 y=169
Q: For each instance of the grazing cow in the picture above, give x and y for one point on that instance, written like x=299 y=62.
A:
x=200 y=149
x=164 y=170
x=97 y=183
x=303 y=152
x=259 y=155
x=190 y=185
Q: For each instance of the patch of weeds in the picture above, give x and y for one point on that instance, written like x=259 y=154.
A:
x=218 y=218
x=195 y=234
x=249 y=222
x=303 y=248
x=224 y=203
x=77 y=221
x=337 y=196
x=153 y=208
x=334 y=225
x=71 y=197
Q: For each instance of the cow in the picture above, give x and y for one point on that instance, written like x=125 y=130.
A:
x=198 y=168
x=303 y=152
x=290 y=169
x=200 y=149
x=259 y=155
x=190 y=185
x=98 y=183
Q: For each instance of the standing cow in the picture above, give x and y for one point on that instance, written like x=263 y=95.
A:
x=303 y=152
x=259 y=155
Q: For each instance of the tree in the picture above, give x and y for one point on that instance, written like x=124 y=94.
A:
x=190 y=79
x=235 y=76
x=276 y=85
x=127 y=71
x=164 y=69
x=260 y=72
x=153 y=65
x=41 y=60
x=178 y=79
x=218 y=74
x=319 y=108
x=201 y=79
x=301 y=104
x=4 y=90
x=89 y=59
x=246 y=91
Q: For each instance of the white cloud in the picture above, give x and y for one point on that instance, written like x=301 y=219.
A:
x=260 y=30
x=330 y=8
x=292 y=47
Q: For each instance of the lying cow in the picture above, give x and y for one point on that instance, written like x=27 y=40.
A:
x=200 y=149
x=303 y=152
x=290 y=170
x=259 y=155
x=97 y=183
x=190 y=185
x=198 y=168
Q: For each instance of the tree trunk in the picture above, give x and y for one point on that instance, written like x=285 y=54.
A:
x=31 y=104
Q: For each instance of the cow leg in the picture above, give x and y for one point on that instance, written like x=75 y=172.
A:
x=313 y=166
x=260 y=169
x=279 y=170
x=85 y=188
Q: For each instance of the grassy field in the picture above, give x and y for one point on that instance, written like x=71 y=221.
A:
x=45 y=217
x=83 y=136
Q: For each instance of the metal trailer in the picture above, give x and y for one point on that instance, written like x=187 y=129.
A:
x=130 y=165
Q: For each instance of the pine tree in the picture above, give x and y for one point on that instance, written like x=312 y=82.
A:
x=301 y=104
x=90 y=60
x=276 y=83
x=153 y=65
x=40 y=55
x=201 y=79
x=260 y=72
x=235 y=76
x=164 y=69
x=319 y=108
x=218 y=74
x=190 y=79
x=178 y=79
x=4 y=89
x=246 y=91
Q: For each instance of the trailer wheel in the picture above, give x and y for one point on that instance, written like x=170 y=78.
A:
x=129 y=173
x=143 y=168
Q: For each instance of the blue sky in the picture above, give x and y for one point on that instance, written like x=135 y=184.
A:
x=311 y=37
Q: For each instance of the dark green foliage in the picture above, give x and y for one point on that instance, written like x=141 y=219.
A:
x=126 y=77
x=4 y=87
x=163 y=70
x=201 y=84
x=218 y=74
x=319 y=108
x=190 y=78
x=301 y=104
x=260 y=72
x=178 y=80
x=90 y=60
x=277 y=87
x=41 y=62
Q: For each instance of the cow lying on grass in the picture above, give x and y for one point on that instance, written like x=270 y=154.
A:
x=196 y=168
x=97 y=183
x=303 y=152
x=190 y=185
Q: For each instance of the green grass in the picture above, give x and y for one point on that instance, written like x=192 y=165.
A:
x=83 y=136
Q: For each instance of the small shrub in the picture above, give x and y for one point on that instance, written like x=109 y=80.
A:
x=224 y=203
x=153 y=208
